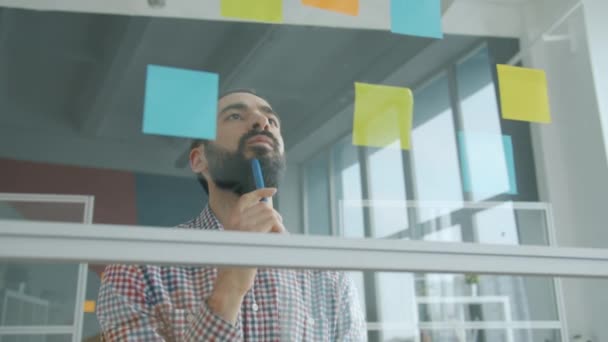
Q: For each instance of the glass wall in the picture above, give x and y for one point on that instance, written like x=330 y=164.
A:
x=41 y=295
x=77 y=90
x=318 y=210
x=460 y=182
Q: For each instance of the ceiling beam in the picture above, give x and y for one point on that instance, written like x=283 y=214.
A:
x=251 y=56
x=5 y=29
x=100 y=93
x=484 y=18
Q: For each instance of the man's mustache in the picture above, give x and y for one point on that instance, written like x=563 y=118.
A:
x=253 y=133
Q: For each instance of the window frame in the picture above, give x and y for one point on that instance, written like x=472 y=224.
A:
x=449 y=71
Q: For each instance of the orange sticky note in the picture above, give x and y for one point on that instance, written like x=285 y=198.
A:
x=523 y=94
x=350 y=7
x=89 y=306
x=258 y=10
x=383 y=115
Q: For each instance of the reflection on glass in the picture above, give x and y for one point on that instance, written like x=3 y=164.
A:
x=472 y=309
x=38 y=293
x=481 y=140
x=387 y=183
x=317 y=195
x=41 y=211
x=37 y=338
x=346 y=175
x=487 y=171
x=464 y=307
x=519 y=223
x=72 y=104
x=90 y=325
x=434 y=152
x=497 y=225
x=397 y=305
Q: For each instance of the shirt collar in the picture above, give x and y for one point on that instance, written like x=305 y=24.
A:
x=207 y=220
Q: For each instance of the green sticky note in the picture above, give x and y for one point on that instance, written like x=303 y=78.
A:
x=383 y=115
x=523 y=94
x=180 y=102
x=257 y=10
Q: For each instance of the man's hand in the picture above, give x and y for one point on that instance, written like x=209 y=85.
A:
x=232 y=283
x=251 y=215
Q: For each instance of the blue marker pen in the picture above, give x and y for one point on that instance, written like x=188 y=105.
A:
x=257 y=176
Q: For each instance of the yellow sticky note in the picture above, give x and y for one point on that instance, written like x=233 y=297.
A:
x=89 y=306
x=258 y=10
x=523 y=94
x=350 y=7
x=383 y=115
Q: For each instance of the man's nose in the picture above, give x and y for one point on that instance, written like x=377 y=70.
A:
x=260 y=121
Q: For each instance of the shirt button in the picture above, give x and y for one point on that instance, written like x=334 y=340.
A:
x=189 y=318
x=255 y=307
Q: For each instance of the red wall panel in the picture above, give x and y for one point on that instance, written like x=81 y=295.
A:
x=114 y=191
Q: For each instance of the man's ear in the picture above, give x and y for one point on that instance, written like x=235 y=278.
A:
x=198 y=161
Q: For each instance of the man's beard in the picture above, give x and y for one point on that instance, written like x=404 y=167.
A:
x=232 y=170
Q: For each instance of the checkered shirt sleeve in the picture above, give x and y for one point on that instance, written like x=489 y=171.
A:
x=125 y=313
x=153 y=303
x=351 y=326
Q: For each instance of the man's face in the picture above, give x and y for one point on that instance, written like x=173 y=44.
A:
x=247 y=128
x=239 y=114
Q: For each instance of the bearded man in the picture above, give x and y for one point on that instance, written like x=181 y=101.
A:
x=170 y=303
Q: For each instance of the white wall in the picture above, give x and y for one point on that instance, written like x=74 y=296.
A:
x=570 y=153
x=597 y=33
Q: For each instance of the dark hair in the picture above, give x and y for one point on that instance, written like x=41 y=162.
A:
x=198 y=142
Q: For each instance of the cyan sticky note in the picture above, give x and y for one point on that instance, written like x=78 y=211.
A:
x=180 y=102
x=416 y=18
x=508 y=145
x=488 y=164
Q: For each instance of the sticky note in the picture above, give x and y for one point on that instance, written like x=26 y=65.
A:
x=257 y=10
x=350 y=7
x=508 y=145
x=383 y=115
x=180 y=102
x=524 y=94
x=416 y=18
x=89 y=306
x=488 y=164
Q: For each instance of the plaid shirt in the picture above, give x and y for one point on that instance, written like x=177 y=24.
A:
x=168 y=303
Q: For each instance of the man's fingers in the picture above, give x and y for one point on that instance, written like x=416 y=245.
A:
x=278 y=216
x=278 y=228
x=273 y=226
x=254 y=197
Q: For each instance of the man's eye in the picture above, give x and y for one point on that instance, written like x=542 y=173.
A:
x=274 y=122
x=234 y=116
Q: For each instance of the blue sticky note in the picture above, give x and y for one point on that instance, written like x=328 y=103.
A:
x=180 y=102
x=416 y=18
x=508 y=144
x=488 y=165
